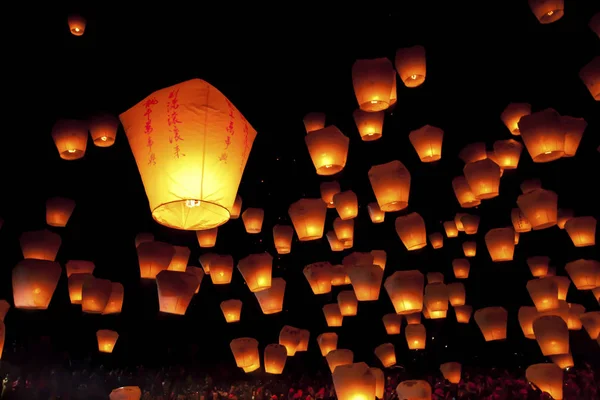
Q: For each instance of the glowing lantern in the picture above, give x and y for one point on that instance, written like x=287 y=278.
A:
x=547 y=11
x=40 y=245
x=290 y=338
x=338 y=357
x=573 y=320
x=198 y=272
x=304 y=338
x=369 y=124
x=314 y=121
x=437 y=240
x=282 y=238
x=143 y=237
x=256 y=270
x=436 y=300
x=237 y=207
x=70 y=138
x=379 y=258
x=115 y=300
x=275 y=358
x=180 y=259
x=483 y=178
x=340 y=277
x=4 y=307
x=411 y=230
x=470 y=224
x=377 y=216
x=34 y=283
x=539 y=207
x=411 y=65
x=386 y=354
x=106 y=340
x=334 y=242
x=463 y=193
x=427 y=142
x=544 y=293
x=95 y=294
x=562 y=282
x=456 y=294
x=346 y=204
x=552 y=335
x=415 y=336
x=253 y=219
x=245 y=352
x=451 y=371
x=344 y=230
x=195 y=192
x=328 y=149
x=492 y=322
x=319 y=277
x=591 y=323
x=538 y=265
x=103 y=129
x=473 y=152
x=413 y=318
x=333 y=315
x=308 y=217
x=207 y=238
x=435 y=277
x=175 y=291
x=582 y=231
x=391 y=185
x=543 y=135
x=517 y=236
x=463 y=314
x=328 y=190
x=405 y=289
x=327 y=342
x=507 y=153
x=526 y=317
x=126 y=393
x=585 y=274
x=461 y=268
x=596 y=293
x=379 y=382
x=373 y=82
x=563 y=215
x=574 y=128
x=529 y=185
x=348 y=303
x=75 y=284
x=500 y=243
x=154 y=257
x=470 y=249
x=392 y=324
x=512 y=114
x=563 y=361
x=590 y=75
x=354 y=382
x=547 y=377
x=271 y=299
x=520 y=223
x=450 y=229
x=414 y=390
x=232 y=309
x=58 y=211
x=76 y=25
x=366 y=281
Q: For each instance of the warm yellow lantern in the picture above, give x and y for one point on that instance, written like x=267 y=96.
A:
x=143 y=237
x=473 y=152
x=416 y=336
x=282 y=238
x=275 y=358
x=436 y=300
x=346 y=204
x=237 y=207
x=590 y=75
x=500 y=243
x=70 y=138
x=34 y=282
x=574 y=128
x=540 y=208
x=562 y=282
x=405 y=289
x=333 y=316
x=529 y=185
x=338 y=357
x=520 y=222
x=271 y=299
x=103 y=129
x=582 y=231
x=411 y=65
x=386 y=354
x=547 y=377
x=221 y=268
x=354 y=382
x=253 y=219
x=413 y=318
x=207 y=238
x=154 y=257
x=450 y=229
x=339 y=276
x=377 y=216
x=366 y=281
x=334 y=242
x=245 y=352
x=414 y=390
x=191 y=146
x=232 y=310
x=76 y=24
x=319 y=277
x=463 y=314
x=180 y=259
x=483 y=177
x=95 y=294
x=107 y=340
x=314 y=121
x=256 y=270
x=115 y=301
x=552 y=335
x=369 y=124
x=507 y=153
x=547 y=11
x=543 y=293
x=585 y=274
x=391 y=184
x=327 y=342
x=40 y=245
x=392 y=323
x=427 y=142
x=58 y=211
x=452 y=371
x=492 y=322
x=126 y=393
x=437 y=240
x=308 y=217
x=469 y=248
x=373 y=82
x=175 y=291
x=461 y=268
x=435 y=277
x=328 y=190
x=344 y=229
x=543 y=135
x=290 y=338
x=75 y=284
x=512 y=114
x=411 y=230
x=348 y=303
x=538 y=265
x=563 y=361
x=463 y=193
x=563 y=215
x=304 y=339
x=328 y=149
x=456 y=294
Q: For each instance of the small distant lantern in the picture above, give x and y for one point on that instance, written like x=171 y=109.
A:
x=107 y=340
x=543 y=293
x=512 y=114
x=207 y=238
x=34 y=283
x=547 y=11
x=328 y=190
x=253 y=219
x=70 y=138
x=574 y=128
x=308 y=217
x=232 y=309
x=450 y=229
x=154 y=257
x=333 y=316
x=386 y=354
x=377 y=216
x=175 y=291
x=411 y=65
x=245 y=351
x=436 y=300
x=346 y=204
x=40 y=245
x=470 y=224
x=411 y=230
x=103 y=130
x=427 y=142
x=314 y=121
x=507 y=153
x=275 y=358
x=256 y=270
x=469 y=248
x=416 y=336
x=463 y=193
x=366 y=281
x=76 y=25
x=492 y=322
x=290 y=338
x=451 y=371
x=373 y=81
x=334 y=242
x=369 y=124
x=328 y=149
x=391 y=184
x=392 y=323
x=538 y=265
x=582 y=231
x=456 y=294
x=95 y=294
x=348 y=303
x=461 y=268
x=58 y=211
x=327 y=342
x=437 y=240
x=282 y=238
x=344 y=229
x=463 y=314
x=540 y=208
x=319 y=277
x=500 y=243
x=543 y=135
x=405 y=289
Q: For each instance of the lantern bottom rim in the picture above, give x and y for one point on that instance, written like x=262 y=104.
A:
x=371 y=137
x=486 y=196
x=545 y=225
x=548 y=156
x=98 y=142
x=393 y=206
x=203 y=215
x=329 y=169
x=72 y=155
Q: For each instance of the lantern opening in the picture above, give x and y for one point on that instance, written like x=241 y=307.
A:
x=191 y=210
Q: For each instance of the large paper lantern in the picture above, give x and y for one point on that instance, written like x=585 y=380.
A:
x=451 y=371
x=348 y=303
x=552 y=334
x=253 y=219
x=547 y=11
x=154 y=257
x=463 y=193
x=585 y=274
x=461 y=268
x=328 y=190
x=58 y=211
x=483 y=177
x=369 y=124
x=126 y=393
x=245 y=351
x=411 y=65
x=547 y=377
x=207 y=238
x=107 y=340
x=543 y=135
x=175 y=291
x=76 y=24
x=582 y=231
x=333 y=316
x=275 y=358
x=191 y=146
x=590 y=75
x=512 y=114
x=314 y=121
x=386 y=354
x=103 y=129
x=427 y=142
x=40 y=245
x=574 y=128
x=290 y=338
x=338 y=357
x=328 y=149
x=327 y=342
x=405 y=289
x=391 y=185
x=373 y=82
x=411 y=230
x=416 y=336
x=282 y=238
x=308 y=217
x=256 y=270
x=4 y=307
x=232 y=310
x=492 y=322
x=115 y=300
x=354 y=382
x=540 y=208
x=366 y=281
x=95 y=294
x=500 y=243
x=34 y=283
x=543 y=293
x=271 y=299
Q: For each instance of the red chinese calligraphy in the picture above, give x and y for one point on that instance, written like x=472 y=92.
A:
x=173 y=122
x=229 y=129
x=246 y=146
x=148 y=129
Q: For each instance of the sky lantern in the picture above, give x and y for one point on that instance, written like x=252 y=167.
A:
x=256 y=270
x=540 y=208
x=458 y=221
x=237 y=207
x=405 y=289
x=427 y=142
x=245 y=351
x=107 y=340
x=411 y=230
x=543 y=135
x=507 y=153
x=75 y=285
x=379 y=258
x=334 y=242
x=574 y=128
x=413 y=318
x=275 y=357
x=411 y=65
x=450 y=229
x=103 y=129
x=461 y=268
x=70 y=138
x=392 y=323
x=369 y=124
x=58 y=211
x=95 y=294
x=188 y=153
x=386 y=354
x=308 y=217
x=547 y=11
x=591 y=323
x=327 y=342
x=319 y=277
x=416 y=336
x=115 y=300
x=328 y=190
x=328 y=149
x=538 y=265
x=470 y=248
x=354 y=382
x=520 y=222
x=547 y=377
x=552 y=335
x=377 y=216
x=338 y=357
x=154 y=257
x=304 y=339
x=517 y=236
x=470 y=223
x=562 y=282
x=76 y=24
x=207 y=238
x=175 y=291
x=373 y=82
x=271 y=299
x=435 y=277
x=582 y=231
x=437 y=240
x=526 y=316
x=436 y=300
x=333 y=315
x=563 y=361
x=126 y=393
x=391 y=185
x=492 y=322
x=463 y=193
x=40 y=245
x=463 y=314
x=313 y=121
x=290 y=338
x=379 y=382
x=346 y=204
x=366 y=281
x=414 y=390
x=500 y=243
x=543 y=293
x=573 y=320
x=348 y=244
x=452 y=371
x=483 y=178
x=4 y=307
x=348 y=303
x=232 y=309
x=143 y=237
x=253 y=219
x=590 y=75
x=180 y=259
x=563 y=215
x=512 y=114
x=585 y=274
x=34 y=282
x=456 y=294
x=473 y=152
x=198 y=273
x=282 y=238
x=339 y=276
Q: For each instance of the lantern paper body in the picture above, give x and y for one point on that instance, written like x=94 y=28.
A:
x=574 y=128
x=483 y=178
x=373 y=82
x=411 y=230
x=416 y=336
x=437 y=240
x=391 y=185
x=456 y=294
x=237 y=208
x=543 y=293
x=354 y=382
x=520 y=223
x=377 y=216
x=379 y=258
x=314 y=121
x=591 y=323
x=40 y=245
x=582 y=231
x=327 y=342
x=543 y=135
x=70 y=138
x=366 y=281
x=275 y=358
x=256 y=270
x=470 y=249
x=253 y=219
x=333 y=316
x=348 y=303
x=75 y=283
x=304 y=338
x=552 y=334
x=585 y=274
x=95 y=294
x=143 y=237
x=245 y=352
x=463 y=193
x=547 y=11
x=512 y=114
x=386 y=354
x=451 y=371
x=115 y=300
x=232 y=310
x=328 y=149
x=461 y=268
x=427 y=142
x=492 y=322
x=79 y=267
x=473 y=152
x=334 y=242
x=392 y=323
x=34 y=282
x=338 y=357
x=540 y=208
x=562 y=282
x=282 y=238
x=198 y=273
x=58 y=211
x=369 y=124
x=175 y=291
x=405 y=289
x=563 y=360
x=573 y=320
x=500 y=243
x=308 y=217
x=271 y=300
x=328 y=190
x=4 y=307
x=590 y=75
x=470 y=224
x=103 y=129
x=221 y=269
x=538 y=265
x=411 y=65
x=76 y=25
x=463 y=314
x=207 y=238
x=450 y=229
x=126 y=393
x=319 y=277
x=154 y=257
x=346 y=204
x=507 y=153
x=178 y=137
x=414 y=390
x=414 y=318
x=436 y=300
x=107 y=340
x=290 y=338
x=547 y=377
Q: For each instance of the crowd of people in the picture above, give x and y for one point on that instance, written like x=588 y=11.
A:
x=178 y=383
